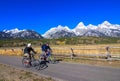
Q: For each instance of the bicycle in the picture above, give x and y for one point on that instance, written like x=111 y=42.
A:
x=37 y=64
x=51 y=59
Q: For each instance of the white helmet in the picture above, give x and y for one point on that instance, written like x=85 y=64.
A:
x=29 y=45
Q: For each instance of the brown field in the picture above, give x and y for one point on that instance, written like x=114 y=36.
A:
x=66 y=49
x=8 y=73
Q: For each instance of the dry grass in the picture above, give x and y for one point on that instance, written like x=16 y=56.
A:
x=8 y=73
x=108 y=63
x=66 y=49
x=11 y=74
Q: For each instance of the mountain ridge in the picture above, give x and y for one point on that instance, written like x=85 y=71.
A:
x=104 y=29
x=16 y=33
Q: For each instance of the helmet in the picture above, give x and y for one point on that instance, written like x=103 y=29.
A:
x=29 y=45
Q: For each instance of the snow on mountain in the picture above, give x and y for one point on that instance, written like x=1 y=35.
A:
x=80 y=29
x=92 y=27
x=108 y=29
x=13 y=31
x=59 y=31
x=55 y=29
x=103 y=29
x=4 y=35
x=81 y=26
x=16 y=33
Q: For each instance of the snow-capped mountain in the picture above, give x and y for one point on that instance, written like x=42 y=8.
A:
x=16 y=33
x=80 y=29
x=13 y=31
x=104 y=29
x=4 y=35
x=58 y=32
x=112 y=30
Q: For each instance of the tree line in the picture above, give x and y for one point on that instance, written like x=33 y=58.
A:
x=59 y=41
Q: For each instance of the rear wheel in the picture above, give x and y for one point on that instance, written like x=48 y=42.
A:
x=26 y=62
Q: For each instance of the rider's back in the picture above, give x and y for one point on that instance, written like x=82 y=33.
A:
x=43 y=47
x=27 y=50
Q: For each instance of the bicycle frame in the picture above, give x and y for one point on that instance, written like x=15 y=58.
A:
x=38 y=64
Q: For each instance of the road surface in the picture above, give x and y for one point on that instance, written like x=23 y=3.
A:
x=69 y=71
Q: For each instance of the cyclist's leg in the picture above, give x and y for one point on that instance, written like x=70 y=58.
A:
x=26 y=60
x=30 y=59
x=43 y=56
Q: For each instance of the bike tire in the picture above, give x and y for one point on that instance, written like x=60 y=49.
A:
x=25 y=62
x=52 y=60
x=42 y=65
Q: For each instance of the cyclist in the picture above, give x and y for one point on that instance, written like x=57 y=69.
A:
x=27 y=50
x=46 y=50
x=49 y=50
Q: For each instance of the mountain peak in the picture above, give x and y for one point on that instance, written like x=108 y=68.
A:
x=81 y=24
x=58 y=31
x=62 y=27
x=106 y=23
x=103 y=29
x=16 y=33
x=13 y=31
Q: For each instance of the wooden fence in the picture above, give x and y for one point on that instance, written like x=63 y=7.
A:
x=72 y=52
x=106 y=52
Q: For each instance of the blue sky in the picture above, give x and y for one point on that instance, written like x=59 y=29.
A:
x=41 y=15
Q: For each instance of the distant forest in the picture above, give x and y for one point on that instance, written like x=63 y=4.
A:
x=59 y=41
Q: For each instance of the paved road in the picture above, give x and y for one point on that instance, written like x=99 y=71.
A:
x=69 y=71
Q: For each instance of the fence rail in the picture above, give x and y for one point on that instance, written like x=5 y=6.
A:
x=71 y=52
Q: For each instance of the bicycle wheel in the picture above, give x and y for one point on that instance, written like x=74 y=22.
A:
x=42 y=65
x=51 y=59
x=26 y=62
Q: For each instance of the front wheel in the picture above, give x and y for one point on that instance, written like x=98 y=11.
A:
x=42 y=65
x=51 y=59
x=26 y=62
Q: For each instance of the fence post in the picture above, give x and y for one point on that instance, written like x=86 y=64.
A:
x=72 y=55
x=108 y=52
